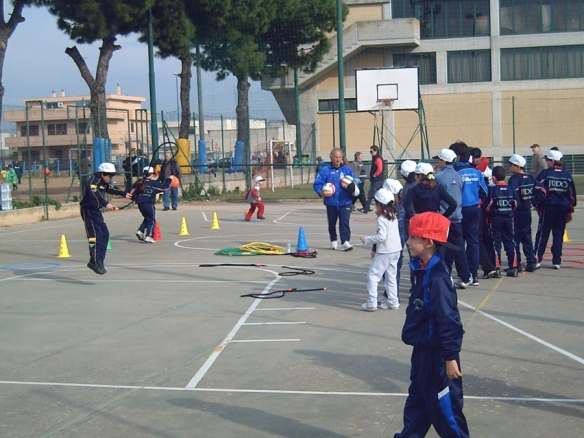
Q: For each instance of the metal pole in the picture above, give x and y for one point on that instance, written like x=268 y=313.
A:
x=297 y=106
x=513 y=119
x=200 y=95
x=223 y=152
x=45 y=163
x=341 y=79
x=153 y=116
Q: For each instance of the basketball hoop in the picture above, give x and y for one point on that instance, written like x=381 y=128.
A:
x=383 y=109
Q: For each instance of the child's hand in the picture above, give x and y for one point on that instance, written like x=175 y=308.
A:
x=452 y=370
x=259 y=199
x=129 y=195
x=372 y=254
x=362 y=239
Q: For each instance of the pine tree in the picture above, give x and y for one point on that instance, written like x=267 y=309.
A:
x=87 y=21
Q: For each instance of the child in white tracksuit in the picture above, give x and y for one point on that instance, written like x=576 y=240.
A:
x=387 y=255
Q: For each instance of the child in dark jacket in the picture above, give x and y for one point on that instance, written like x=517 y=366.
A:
x=434 y=329
x=144 y=194
x=500 y=205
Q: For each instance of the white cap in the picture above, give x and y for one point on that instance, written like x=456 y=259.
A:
x=148 y=170
x=555 y=155
x=517 y=160
x=106 y=168
x=259 y=178
x=384 y=196
x=407 y=167
x=424 y=168
x=393 y=185
x=447 y=155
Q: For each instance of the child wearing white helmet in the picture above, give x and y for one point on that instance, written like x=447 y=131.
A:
x=144 y=194
x=255 y=200
x=95 y=227
x=386 y=256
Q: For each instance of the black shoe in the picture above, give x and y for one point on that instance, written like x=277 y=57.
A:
x=512 y=273
x=261 y=218
x=362 y=210
x=530 y=268
x=489 y=274
x=174 y=208
x=165 y=209
x=497 y=274
x=97 y=268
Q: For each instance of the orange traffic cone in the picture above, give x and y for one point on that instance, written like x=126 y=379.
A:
x=157 y=235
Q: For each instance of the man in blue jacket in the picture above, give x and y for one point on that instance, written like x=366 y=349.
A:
x=474 y=190
x=338 y=203
x=555 y=208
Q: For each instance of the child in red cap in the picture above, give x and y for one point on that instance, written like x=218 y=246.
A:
x=255 y=200
x=434 y=329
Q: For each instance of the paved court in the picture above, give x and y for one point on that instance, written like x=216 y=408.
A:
x=161 y=347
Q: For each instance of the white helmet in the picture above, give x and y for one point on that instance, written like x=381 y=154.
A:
x=384 y=196
x=148 y=170
x=106 y=168
x=407 y=167
x=393 y=185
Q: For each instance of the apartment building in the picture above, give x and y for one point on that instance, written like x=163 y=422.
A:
x=62 y=122
x=498 y=74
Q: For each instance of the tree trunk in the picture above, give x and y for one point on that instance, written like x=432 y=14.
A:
x=185 y=101
x=243 y=115
x=6 y=31
x=96 y=85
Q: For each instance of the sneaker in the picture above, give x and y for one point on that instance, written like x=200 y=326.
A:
x=537 y=265
x=512 y=273
x=530 y=268
x=174 y=208
x=334 y=245
x=383 y=303
x=165 y=209
x=368 y=307
x=261 y=218
x=140 y=235
x=474 y=282
x=362 y=210
x=396 y=307
x=460 y=285
x=497 y=274
x=96 y=267
x=149 y=239
x=556 y=267
x=346 y=246
x=490 y=274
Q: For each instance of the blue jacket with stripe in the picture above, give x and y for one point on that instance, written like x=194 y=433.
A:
x=432 y=317
x=473 y=184
x=329 y=174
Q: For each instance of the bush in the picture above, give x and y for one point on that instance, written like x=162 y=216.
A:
x=193 y=192
x=37 y=201
x=213 y=191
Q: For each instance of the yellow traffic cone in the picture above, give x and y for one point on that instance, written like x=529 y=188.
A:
x=215 y=225
x=64 y=251
x=566 y=238
x=183 y=228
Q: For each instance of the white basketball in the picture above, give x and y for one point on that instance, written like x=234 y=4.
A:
x=329 y=188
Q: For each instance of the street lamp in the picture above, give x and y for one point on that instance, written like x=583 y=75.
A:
x=178 y=75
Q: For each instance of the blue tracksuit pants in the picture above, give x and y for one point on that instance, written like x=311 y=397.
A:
x=502 y=234
x=147 y=225
x=459 y=257
x=553 y=219
x=97 y=234
x=522 y=228
x=433 y=399
x=471 y=217
x=343 y=215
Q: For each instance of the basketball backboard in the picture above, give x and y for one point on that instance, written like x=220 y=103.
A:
x=397 y=83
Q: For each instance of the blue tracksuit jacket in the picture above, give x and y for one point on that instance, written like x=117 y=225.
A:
x=473 y=184
x=329 y=174
x=558 y=188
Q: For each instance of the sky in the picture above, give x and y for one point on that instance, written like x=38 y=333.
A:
x=36 y=65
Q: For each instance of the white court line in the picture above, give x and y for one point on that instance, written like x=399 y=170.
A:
x=287 y=308
x=524 y=333
x=217 y=351
x=205 y=216
x=265 y=340
x=282 y=217
x=273 y=323
x=277 y=391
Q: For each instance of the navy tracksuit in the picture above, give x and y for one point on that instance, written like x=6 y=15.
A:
x=95 y=226
x=434 y=329
x=522 y=185
x=500 y=206
x=557 y=201
x=146 y=201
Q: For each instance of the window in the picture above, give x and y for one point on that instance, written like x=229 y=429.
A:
x=33 y=130
x=82 y=128
x=330 y=105
x=426 y=62
x=469 y=66
x=540 y=16
x=57 y=129
x=542 y=63
x=447 y=18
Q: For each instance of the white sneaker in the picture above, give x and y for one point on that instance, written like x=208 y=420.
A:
x=556 y=267
x=346 y=246
x=149 y=239
x=334 y=245
x=383 y=303
x=368 y=307
x=460 y=285
x=140 y=235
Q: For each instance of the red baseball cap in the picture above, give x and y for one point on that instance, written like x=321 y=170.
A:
x=433 y=226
